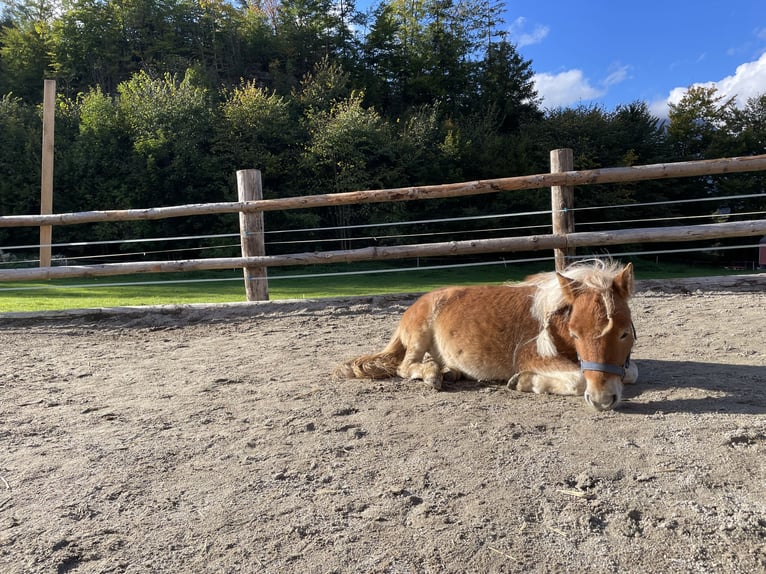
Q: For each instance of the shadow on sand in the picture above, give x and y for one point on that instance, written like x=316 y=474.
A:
x=684 y=387
x=693 y=387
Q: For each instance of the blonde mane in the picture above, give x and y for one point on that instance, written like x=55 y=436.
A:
x=596 y=274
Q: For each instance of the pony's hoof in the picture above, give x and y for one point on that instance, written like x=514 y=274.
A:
x=631 y=373
x=523 y=381
x=436 y=382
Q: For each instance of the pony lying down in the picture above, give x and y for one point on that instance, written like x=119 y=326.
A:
x=566 y=333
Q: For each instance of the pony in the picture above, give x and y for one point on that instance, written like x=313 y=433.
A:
x=567 y=333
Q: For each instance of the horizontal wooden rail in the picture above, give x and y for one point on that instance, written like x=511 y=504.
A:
x=568 y=178
x=500 y=245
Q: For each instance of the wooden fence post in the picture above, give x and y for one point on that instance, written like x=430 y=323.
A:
x=249 y=188
x=46 y=178
x=562 y=203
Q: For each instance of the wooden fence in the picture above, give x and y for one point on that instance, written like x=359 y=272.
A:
x=564 y=240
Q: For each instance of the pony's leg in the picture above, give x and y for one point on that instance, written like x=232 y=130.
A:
x=556 y=382
x=631 y=373
x=418 y=364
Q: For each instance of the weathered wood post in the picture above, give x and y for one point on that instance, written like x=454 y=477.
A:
x=562 y=204
x=46 y=178
x=249 y=188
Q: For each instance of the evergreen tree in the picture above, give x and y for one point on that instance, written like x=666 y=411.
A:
x=505 y=86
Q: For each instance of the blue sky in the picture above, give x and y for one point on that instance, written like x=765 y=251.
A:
x=610 y=52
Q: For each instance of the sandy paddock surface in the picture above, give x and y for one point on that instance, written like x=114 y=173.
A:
x=212 y=439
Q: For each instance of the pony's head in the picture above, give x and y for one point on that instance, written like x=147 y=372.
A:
x=601 y=330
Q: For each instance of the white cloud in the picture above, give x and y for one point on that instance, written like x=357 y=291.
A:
x=522 y=37
x=564 y=89
x=659 y=108
x=618 y=75
x=748 y=81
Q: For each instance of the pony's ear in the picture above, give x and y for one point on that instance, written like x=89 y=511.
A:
x=623 y=282
x=568 y=287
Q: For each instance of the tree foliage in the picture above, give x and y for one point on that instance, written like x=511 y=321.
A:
x=161 y=101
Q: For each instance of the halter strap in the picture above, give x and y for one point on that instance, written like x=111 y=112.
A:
x=608 y=367
x=605 y=367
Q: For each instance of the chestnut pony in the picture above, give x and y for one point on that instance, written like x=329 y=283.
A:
x=566 y=333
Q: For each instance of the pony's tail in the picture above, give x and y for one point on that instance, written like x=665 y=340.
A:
x=381 y=365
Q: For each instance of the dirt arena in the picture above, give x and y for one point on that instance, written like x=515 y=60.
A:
x=213 y=440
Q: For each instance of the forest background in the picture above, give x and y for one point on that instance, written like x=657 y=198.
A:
x=161 y=101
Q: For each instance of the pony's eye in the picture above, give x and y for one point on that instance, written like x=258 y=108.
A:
x=573 y=335
x=624 y=335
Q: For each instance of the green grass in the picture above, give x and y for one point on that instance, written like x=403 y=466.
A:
x=228 y=286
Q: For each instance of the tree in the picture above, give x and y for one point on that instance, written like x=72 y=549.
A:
x=696 y=123
x=748 y=127
x=636 y=135
x=25 y=44
x=342 y=151
x=581 y=128
x=306 y=32
x=745 y=130
x=258 y=130
x=422 y=51
x=382 y=58
x=505 y=86
x=98 y=162
x=170 y=124
x=599 y=138
x=341 y=142
x=20 y=132
x=698 y=129
x=420 y=136
x=90 y=47
x=256 y=44
x=324 y=86
x=489 y=14
x=446 y=64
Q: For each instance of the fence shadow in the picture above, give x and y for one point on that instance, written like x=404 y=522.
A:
x=694 y=387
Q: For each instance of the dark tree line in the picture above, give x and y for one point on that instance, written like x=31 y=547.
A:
x=161 y=101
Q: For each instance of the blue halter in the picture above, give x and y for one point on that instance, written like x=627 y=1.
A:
x=605 y=367
x=608 y=367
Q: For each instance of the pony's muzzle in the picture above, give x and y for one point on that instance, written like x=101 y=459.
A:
x=604 y=393
x=602 y=402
